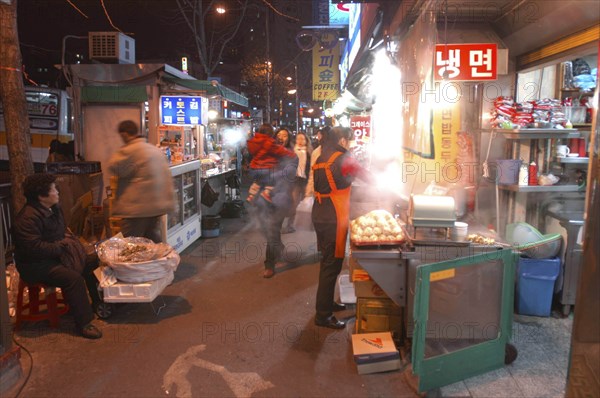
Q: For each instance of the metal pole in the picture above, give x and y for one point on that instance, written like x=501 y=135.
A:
x=268 y=49
x=297 y=102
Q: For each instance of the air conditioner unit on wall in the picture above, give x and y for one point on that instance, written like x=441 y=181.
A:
x=112 y=47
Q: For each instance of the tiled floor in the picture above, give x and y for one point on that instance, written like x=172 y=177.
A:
x=540 y=369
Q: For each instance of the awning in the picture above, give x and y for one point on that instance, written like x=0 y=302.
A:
x=112 y=94
x=209 y=89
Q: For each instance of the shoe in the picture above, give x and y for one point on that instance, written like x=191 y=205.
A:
x=338 y=307
x=268 y=273
x=90 y=331
x=330 y=322
x=288 y=230
x=266 y=196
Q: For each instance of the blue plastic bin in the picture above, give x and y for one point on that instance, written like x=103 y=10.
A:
x=535 y=285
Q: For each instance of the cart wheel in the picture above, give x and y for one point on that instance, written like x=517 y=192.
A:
x=104 y=310
x=510 y=354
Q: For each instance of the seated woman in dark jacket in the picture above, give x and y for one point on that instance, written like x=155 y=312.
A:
x=46 y=253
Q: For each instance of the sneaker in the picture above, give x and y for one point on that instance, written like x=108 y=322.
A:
x=266 y=196
x=288 y=230
x=90 y=331
x=268 y=273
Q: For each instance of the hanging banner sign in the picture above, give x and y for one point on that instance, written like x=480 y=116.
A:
x=180 y=110
x=326 y=72
x=466 y=62
x=361 y=126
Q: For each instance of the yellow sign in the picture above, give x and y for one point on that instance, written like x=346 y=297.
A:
x=446 y=122
x=326 y=72
x=440 y=275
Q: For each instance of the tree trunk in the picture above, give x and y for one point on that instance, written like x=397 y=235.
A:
x=12 y=94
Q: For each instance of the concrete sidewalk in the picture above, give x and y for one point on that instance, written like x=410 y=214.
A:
x=226 y=331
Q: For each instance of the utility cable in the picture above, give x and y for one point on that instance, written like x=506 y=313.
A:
x=108 y=16
x=78 y=10
x=279 y=12
x=30 y=366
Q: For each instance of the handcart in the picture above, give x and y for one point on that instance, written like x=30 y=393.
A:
x=139 y=282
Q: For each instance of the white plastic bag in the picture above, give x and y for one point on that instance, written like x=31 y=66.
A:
x=146 y=271
x=305 y=206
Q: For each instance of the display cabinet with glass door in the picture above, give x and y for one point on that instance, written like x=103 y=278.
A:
x=183 y=224
x=223 y=140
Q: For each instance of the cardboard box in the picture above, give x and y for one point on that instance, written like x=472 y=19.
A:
x=368 y=289
x=375 y=352
x=364 y=287
x=378 y=315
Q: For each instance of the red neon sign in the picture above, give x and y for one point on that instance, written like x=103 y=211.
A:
x=463 y=62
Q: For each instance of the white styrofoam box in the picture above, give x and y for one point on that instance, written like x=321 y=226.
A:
x=145 y=292
x=347 y=295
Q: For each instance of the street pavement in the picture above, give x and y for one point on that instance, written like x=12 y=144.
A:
x=228 y=332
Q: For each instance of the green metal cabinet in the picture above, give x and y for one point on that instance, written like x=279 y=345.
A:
x=463 y=314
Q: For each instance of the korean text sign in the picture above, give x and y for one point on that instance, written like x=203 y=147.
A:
x=326 y=72
x=465 y=62
x=180 y=110
x=361 y=126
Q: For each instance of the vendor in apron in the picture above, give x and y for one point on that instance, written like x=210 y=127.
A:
x=334 y=172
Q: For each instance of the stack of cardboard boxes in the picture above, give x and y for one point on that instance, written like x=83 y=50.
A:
x=378 y=319
x=375 y=311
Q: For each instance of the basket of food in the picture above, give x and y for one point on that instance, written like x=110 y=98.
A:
x=376 y=228
x=136 y=259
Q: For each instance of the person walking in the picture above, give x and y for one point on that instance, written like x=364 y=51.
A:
x=46 y=252
x=265 y=153
x=144 y=191
x=303 y=150
x=334 y=172
x=271 y=214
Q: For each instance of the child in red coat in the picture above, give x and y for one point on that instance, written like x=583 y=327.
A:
x=265 y=154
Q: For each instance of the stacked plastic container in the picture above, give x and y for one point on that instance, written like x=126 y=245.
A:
x=537 y=270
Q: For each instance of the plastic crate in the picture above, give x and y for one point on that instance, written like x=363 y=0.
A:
x=146 y=292
x=535 y=285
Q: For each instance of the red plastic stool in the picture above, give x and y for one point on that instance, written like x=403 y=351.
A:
x=51 y=301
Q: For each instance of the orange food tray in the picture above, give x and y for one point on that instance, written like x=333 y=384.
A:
x=379 y=243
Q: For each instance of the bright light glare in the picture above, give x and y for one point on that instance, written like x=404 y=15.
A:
x=220 y=10
x=388 y=180
x=292 y=91
x=288 y=78
x=340 y=105
x=232 y=136
x=386 y=126
x=344 y=121
x=212 y=114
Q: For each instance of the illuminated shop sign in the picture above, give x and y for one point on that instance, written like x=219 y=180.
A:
x=464 y=62
x=180 y=110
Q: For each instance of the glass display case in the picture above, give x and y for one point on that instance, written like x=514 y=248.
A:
x=180 y=143
x=183 y=224
x=225 y=138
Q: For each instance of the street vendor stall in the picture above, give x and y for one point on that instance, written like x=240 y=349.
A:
x=437 y=142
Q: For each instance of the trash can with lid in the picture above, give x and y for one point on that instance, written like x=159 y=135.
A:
x=535 y=285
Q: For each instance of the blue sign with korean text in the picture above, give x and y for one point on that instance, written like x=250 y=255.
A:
x=180 y=110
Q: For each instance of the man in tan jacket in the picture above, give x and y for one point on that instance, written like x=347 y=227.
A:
x=144 y=185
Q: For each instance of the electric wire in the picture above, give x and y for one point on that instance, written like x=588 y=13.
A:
x=78 y=10
x=30 y=366
x=108 y=16
x=279 y=12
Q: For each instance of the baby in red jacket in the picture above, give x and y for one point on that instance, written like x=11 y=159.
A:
x=265 y=154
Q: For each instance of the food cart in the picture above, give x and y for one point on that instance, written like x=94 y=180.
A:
x=454 y=296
